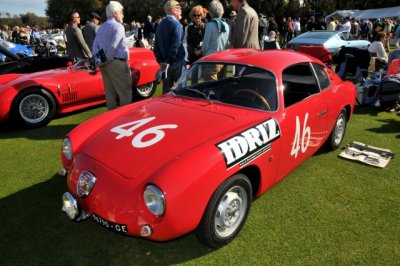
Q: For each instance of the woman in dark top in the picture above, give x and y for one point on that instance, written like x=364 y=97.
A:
x=195 y=32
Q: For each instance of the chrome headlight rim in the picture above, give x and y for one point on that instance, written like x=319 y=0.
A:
x=67 y=148
x=154 y=200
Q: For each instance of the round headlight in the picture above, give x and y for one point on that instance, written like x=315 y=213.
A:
x=154 y=200
x=70 y=206
x=67 y=148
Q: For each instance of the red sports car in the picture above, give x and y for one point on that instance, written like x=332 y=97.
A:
x=233 y=126
x=33 y=99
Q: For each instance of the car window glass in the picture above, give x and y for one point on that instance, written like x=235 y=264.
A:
x=298 y=83
x=234 y=84
x=346 y=36
x=322 y=76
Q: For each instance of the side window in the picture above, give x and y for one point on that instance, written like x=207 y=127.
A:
x=346 y=36
x=298 y=83
x=322 y=76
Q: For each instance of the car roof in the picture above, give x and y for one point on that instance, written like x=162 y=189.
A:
x=275 y=60
x=322 y=34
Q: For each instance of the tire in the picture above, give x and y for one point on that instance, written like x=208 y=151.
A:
x=33 y=107
x=231 y=201
x=338 y=131
x=145 y=91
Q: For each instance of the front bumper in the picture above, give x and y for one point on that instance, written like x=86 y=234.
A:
x=115 y=203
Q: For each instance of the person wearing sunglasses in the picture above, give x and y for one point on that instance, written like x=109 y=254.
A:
x=77 y=47
x=195 y=33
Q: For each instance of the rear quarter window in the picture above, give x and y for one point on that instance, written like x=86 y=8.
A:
x=322 y=75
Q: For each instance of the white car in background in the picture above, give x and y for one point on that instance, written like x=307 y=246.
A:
x=332 y=40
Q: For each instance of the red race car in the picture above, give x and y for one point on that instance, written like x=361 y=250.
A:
x=233 y=126
x=32 y=100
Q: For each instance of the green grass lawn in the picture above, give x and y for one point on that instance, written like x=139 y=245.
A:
x=329 y=211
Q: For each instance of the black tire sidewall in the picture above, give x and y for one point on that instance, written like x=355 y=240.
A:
x=16 y=116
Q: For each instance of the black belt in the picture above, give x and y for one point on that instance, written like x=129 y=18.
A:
x=120 y=59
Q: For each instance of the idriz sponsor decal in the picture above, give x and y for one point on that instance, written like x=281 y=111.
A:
x=249 y=144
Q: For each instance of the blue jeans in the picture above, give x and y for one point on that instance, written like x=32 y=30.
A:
x=174 y=72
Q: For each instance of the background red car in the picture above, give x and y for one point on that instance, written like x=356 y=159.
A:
x=34 y=99
x=193 y=160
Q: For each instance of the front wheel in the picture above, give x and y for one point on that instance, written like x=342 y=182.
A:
x=146 y=90
x=33 y=108
x=338 y=131
x=226 y=212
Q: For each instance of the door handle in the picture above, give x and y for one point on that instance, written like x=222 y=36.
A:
x=322 y=113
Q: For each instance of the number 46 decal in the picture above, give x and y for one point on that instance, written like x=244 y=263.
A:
x=305 y=137
x=153 y=134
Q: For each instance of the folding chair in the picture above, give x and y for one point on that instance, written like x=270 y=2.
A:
x=352 y=64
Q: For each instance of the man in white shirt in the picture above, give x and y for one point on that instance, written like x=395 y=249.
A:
x=346 y=25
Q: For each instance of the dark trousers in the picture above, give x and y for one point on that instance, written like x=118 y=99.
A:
x=174 y=72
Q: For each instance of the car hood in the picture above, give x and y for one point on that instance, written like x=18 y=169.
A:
x=183 y=125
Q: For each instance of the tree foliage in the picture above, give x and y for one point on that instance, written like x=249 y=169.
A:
x=58 y=11
x=24 y=19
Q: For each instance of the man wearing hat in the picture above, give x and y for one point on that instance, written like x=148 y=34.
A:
x=168 y=47
x=90 y=30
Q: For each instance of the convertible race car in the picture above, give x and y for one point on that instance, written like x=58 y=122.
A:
x=233 y=126
x=32 y=100
x=17 y=61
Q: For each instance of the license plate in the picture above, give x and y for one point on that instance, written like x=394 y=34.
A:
x=118 y=228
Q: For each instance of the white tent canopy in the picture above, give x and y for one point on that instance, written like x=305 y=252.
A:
x=388 y=12
x=341 y=14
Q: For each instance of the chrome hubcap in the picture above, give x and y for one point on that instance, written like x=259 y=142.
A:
x=145 y=90
x=34 y=108
x=339 y=129
x=231 y=211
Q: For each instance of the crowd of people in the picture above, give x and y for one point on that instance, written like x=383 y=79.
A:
x=177 y=42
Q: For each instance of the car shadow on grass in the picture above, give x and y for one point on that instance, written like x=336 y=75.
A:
x=43 y=133
x=34 y=230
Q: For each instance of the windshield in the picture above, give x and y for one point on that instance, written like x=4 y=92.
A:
x=234 y=84
x=7 y=44
x=83 y=64
x=317 y=34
